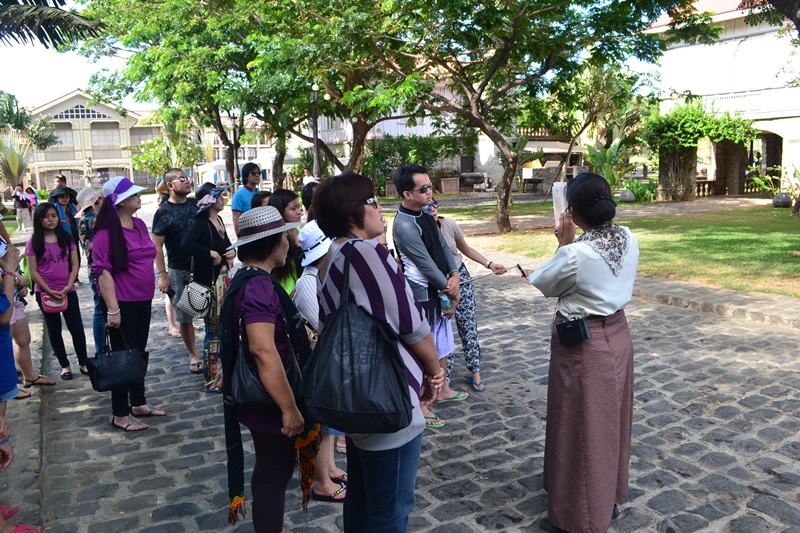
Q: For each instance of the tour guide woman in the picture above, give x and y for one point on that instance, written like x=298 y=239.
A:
x=381 y=467
x=590 y=384
x=126 y=282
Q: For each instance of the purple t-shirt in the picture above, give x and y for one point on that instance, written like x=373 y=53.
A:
x=138 y=283
x=53 y=266
x=258 y=302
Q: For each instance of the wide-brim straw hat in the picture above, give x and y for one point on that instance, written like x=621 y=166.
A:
x=87 y=198
x=260 y=222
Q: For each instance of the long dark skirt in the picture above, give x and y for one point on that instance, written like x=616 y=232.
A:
x=589 y=414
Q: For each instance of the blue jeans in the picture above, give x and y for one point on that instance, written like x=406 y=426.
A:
x=380 y=488
x=98 y=319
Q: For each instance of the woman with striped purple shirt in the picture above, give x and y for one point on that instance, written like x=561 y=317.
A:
x=381 y=467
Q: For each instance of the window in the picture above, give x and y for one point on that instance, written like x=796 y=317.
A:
x=64 y=134
x=105 y=134
x=139 y=135
x=79 y=111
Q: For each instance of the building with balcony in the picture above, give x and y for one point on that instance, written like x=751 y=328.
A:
x=747 y=71
x=93 y=143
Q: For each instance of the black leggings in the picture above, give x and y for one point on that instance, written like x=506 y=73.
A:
x=72 y=316
x=271 y=475
x=134 y=328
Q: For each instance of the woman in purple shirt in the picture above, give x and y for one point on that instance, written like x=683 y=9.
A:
x=126 y=282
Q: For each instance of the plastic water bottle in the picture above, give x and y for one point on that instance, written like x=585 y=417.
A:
x=444 y=302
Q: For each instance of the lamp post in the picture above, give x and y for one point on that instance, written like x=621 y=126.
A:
x=235 y=136
x=313 y=97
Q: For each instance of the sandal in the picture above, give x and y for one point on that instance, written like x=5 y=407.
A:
x=175 y=333
x=8 y=511
x=476 y=386
x=22 y=395
x=131 y=422
x=151 y=412
x=196 y=368
x=433 y=422
x=459 y=397
x=340 y=479
x=28 y=383
x=21 y=528
x=329 y=497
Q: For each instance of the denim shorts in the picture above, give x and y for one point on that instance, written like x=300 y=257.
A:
x=10 y=395
x=330 y=431
x=178 y=280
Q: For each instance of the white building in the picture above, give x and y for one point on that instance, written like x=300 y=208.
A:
x=93 y=140
x=746 y=71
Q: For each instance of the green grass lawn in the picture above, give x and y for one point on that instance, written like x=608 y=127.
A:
x=750 y=249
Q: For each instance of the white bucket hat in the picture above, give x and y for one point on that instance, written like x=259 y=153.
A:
x=87 y=198
x=313 y=242
x=260 y=222
x=121 y=188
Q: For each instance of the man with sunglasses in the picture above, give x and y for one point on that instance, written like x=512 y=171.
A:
x=170 y=223
x=428 y=264
x=243 y=197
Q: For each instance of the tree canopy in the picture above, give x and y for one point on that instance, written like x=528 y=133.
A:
x=42 y=21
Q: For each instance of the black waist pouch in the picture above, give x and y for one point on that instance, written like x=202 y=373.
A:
x=573 y=331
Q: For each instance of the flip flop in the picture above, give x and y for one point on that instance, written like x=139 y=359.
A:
x=8 y=511
x=151 y=412
x=433 y=422
x=476 y=386
x=21 y=528
x=329 y=497
x=459 y=397
x=131 y=422
x=340 y=479
x=27 y=383
x=175 y=333
x=195 y=368
x=23 y=395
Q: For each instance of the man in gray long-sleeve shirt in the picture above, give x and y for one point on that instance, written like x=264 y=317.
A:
x=427 y=262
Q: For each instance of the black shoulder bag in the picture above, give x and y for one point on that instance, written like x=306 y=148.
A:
x=356 y=380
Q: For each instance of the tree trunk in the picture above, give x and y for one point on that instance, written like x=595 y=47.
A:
x=677 y=174
x=278 y=175
x=360 y=131
x=504 y=194
x=229 y=163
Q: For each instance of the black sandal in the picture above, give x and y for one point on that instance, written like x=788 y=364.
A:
x=28 y=383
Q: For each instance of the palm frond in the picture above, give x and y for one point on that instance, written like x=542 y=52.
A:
x=39 y=21
x=16 y=152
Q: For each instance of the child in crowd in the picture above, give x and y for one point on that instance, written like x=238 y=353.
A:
x=53 y=264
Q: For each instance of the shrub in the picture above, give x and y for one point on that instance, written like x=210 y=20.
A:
x=643 y=191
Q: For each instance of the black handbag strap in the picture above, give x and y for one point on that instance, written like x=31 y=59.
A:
x=344 y=292
x=108 y=349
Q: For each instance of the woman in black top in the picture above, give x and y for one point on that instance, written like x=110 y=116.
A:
x=208 y=243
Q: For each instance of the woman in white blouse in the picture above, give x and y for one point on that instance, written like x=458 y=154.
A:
x=590 y=383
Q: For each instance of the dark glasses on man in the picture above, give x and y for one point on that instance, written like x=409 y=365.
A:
x=424 y=188
x=255 y=172
x=373 y=201
x=182 y=179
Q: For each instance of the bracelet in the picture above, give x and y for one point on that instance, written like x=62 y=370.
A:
x=162 y=272
x=113 y=312
x=489 y=264
x=7 y=273
x=5 y=440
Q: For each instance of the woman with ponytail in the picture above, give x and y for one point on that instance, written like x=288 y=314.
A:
x=126 y=282
x=590 y=383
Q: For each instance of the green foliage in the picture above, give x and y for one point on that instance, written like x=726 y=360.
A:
x=643 y=191
x=44 y=22
x=16 y=152
x=42 y=194
x=384 y=155
x=731 y=128
x=680 y=128
x=158 y=155
x=611 y=163
x=777 y=181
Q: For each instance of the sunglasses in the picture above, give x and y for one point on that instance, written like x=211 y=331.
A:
x=255 y=172
x=434 y=204
x=373 y=201
x=424 y=188
x=182 y=179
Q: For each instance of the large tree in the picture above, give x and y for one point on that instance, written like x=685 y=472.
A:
x=479 y=63
x=42 y=21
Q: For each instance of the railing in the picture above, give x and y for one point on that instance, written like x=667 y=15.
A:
x=60 y=155
x=543 y=134
x=705 y=187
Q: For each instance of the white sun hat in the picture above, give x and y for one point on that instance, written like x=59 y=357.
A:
x=260 y=222
x=120 y=188
x=87 y=198
x=314 y=243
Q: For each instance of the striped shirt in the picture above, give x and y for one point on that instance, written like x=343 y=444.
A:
x=378 y=286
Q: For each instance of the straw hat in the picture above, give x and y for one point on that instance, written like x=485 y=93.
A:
x=313 y=242
x=86 y=198
x=210 y=192
x=260 y=222
x=121 y=187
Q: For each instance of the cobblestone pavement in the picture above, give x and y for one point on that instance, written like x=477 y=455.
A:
x=716 y=442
